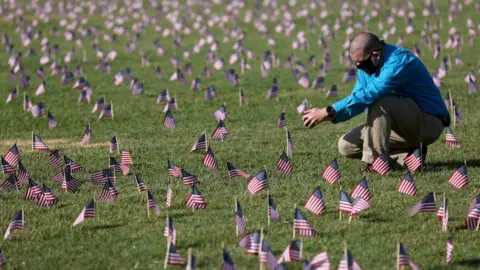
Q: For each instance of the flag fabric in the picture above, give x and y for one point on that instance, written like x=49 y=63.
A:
x=126 y=158
x=302 y=225
x=46 y=198
x=407 y=185
x=174 y=170
x=38 y=144
x=289 y=144
x=234 y=171
x=332 y=92
x=7 y=168
x=188 y=179
x=152 y=203
x=265 y=255
x=282 y=122
x=33 y=190
x=2 y=260
x=442 y=215
x=272 y=209
x=113 y=163
x=55 y=159
x=163 y=97
x=13 y=155
x=303 y=106
x=107 y=112
x=109 y=192
x=228 y=263
x=380 y=164
x=315 y=202
x=140 y=184
x=332 y=172
x=319 y=262
x=59 y=176
x=168 y=202
x=171 y=105
x=292 y=253
x=38 y=110
x=427 y=204
x=284 y=165
x=220 y=114
x=242 y=98
x=404 y=259
x=413 y=161
x=87 y=135
x=209 y=160
x=69 y=183
x=99 y=105
x=201 y=143
x=99 y=177
x=51 y=120
x=22 y=174
x=195 y=200
x=169 y=121
x=258 y=183
x=173 y=257
x=74 y=166
x=348 y=262
x=240 y=222
x=450 y=246
x=10 y=183
x=345 y=202
x=251 y=242
x=451 y=140
x=17 y=223
x=89 y=211
x=459 y=179
x=109 y=174
x=221 y=132
x=113 y=145
x=473 y=218
x=359 y=205
x=170 y=230
x=361 y=190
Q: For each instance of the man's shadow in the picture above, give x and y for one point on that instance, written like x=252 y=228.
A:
x=452 y=164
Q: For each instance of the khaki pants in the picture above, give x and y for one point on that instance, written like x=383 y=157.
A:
x=395 y=125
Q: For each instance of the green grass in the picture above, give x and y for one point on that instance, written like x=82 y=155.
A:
x=122 y=237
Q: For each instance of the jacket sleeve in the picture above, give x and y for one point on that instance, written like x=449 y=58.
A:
x=393 y=74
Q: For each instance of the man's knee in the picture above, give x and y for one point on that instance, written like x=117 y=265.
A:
x=344 y=147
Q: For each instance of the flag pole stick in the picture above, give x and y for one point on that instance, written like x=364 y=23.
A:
x=169 y=238
x=240 y=96
x=293 y=232
x=261 y=246
x=268 y=207
x=176 y=102
x=398 y=255
x=444 y=209
x=236 y=209
x=189 y=258
x=113 y=117
x=32 y=141
x=345 y=250
x=451 y=107
x=148 y=209
x=118 y=144
x=206 y=140
x=286 y=136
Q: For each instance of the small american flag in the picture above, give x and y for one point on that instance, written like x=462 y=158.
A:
x=109 y=192
x=46 y=198
x=17 y=223
x=332 y=172
x=38 y=144
x=107 y=112
x=83 y=97
x=240 y=221
x=272 y=209
x=27 y=104
x=70 y=184
x=315 y=202
x=51 y=120
x=173 y=257
x=427 y=204
x=74 y=166
x=7 y=168
x=113 y=163
x=109 y=174
x=152 y=203
x=169 y=121
x=13 y=95
x=348 y=262
x=380 y=164
x=303 y=106
x=220 y=114
x=302 y=225
x=404 y=259
x=201 y=143
x=289 y=144
x=242 y=99
x=10 y=183
x=2 y=261
x=359 y=205
x=234 y=171
x=98 y=177
x=171 y=105
x=345 y=202
x=55 y=159
x=282 y=121
x=38 y=110
x=33 y=190
x=292 y=253
x=362 y=190
x=284 y=165
x=473 y=217
x=188 y=179
x=451 y=140
x=228 y=263
x=333 y=92
x=407 y=185
x=163 y=97
x=126 y=158
x=450 y=245
x=413 y=161
x=442 y=214
x=319 y=262
x=209 y=160
x=258 y=183
x=266 y=255
x=221 y=132
x=59 y=176
x=195 y=200
x=273 y=92
x=89 y=211
x=140 y=184
x=459 y=178
x=170 y=229
x=174 y=170
x=251 y=242
x=87 y=135
x=13 y=155
x=113 y=146
x=168 y=203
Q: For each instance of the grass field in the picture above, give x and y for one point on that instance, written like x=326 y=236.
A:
x=122 y=237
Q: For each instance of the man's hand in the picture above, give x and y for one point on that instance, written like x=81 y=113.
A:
x=314 y=116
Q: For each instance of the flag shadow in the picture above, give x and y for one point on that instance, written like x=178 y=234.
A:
x=106 y=226
x=471 y=262
x=451 y=165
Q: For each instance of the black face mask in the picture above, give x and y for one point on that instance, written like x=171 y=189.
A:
x=367 y=66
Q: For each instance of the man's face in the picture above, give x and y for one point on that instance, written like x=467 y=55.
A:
x=367 y=62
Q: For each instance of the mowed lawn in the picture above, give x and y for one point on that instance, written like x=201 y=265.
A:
x=122 y=237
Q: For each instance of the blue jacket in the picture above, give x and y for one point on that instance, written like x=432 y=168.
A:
x=402 y=74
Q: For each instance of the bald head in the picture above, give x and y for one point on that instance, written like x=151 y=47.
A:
x=363 y=44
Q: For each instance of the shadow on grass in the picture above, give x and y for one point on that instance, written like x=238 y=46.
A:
x=374 y=219
x=106 y=226
x=453 y=164
x=471 y=262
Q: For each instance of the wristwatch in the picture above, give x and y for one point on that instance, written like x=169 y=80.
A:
x=331 y=112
